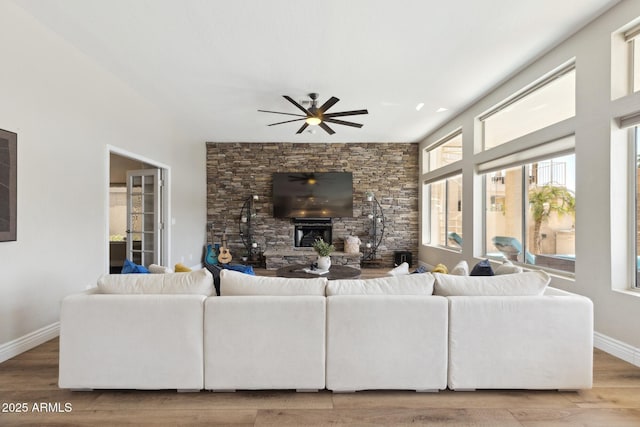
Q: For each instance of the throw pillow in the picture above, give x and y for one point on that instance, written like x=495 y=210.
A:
x=421 y=269
x=246 y=269
x=507 y=267
x=181 y=268
x=130 y=267
x=440 y=268
x=400 y=270
x=409 y=284
x=461 y=269
x=530 y=283
x=483 y=268
x=159 y=269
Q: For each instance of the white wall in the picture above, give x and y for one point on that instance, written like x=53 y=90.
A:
x=600 y=260
x=66 y=110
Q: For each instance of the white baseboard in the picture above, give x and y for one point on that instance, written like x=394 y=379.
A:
x=617 y=348
x=29 y=341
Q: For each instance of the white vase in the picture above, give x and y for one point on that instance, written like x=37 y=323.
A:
x=324 y=262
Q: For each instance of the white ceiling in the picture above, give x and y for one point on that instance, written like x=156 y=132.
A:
x=212 y=64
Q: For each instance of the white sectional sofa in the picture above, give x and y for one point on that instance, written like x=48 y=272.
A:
x=415 y=332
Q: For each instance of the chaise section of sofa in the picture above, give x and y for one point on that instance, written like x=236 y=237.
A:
x=386 y=333
x=514 y=332
x=135 y=332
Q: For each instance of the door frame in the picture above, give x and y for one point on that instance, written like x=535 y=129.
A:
x=165 y=175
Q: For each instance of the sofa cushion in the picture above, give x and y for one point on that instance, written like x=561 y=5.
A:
x=233 y=283
x=410 y=284
x=199 y=282
x=524 y=284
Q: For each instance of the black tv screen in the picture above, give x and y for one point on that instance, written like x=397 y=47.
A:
x=312 y=195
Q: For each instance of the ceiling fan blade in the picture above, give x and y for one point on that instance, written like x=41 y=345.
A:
x=278 y=112
x=304 y=126
x=346 y=113
x=330 y=103
x=300 y=107
x=342 y=122
x=324 y=126
x=288 y=121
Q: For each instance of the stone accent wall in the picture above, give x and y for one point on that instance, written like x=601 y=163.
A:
x=236 y=171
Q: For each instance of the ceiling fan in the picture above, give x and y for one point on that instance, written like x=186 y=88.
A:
x=318 y=115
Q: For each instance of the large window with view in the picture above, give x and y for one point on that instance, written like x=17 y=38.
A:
x=445 y=212
x=530 y=213
x=545 y=103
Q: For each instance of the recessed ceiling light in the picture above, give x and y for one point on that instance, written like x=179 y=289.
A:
x=419 y=106
x=441 y=109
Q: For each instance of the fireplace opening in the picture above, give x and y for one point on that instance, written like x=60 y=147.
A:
x=308 y=230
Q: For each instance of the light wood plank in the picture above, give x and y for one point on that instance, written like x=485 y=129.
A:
x=32 y=378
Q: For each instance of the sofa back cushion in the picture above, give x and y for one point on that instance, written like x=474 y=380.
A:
x=409 y=284
x=523 y=284
x=199 y=282
x=233 y=283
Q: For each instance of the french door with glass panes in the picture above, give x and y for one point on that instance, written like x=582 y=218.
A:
x=144 y=222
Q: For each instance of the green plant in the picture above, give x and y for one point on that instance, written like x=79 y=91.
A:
x=545 y=200
x=323 y=248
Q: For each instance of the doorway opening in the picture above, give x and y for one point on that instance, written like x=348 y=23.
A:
x=138 y=210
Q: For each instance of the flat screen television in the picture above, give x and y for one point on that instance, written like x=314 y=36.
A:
x=312 y=195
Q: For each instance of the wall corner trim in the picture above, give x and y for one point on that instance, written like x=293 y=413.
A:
x=29 y=341
x=617 y=348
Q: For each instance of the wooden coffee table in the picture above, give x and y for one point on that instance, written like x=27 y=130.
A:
x=335 y=272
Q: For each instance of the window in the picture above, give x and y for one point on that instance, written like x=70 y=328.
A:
x=530 y=213
x=446 y=151
x=547 y=102
x=445 y=212
x=632 y=37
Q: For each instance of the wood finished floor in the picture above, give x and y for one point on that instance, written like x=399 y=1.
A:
x=32 y=378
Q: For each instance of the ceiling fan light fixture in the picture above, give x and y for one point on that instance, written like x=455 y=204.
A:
x=313 y=121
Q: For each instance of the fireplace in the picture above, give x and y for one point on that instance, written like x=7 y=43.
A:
x=308 y=230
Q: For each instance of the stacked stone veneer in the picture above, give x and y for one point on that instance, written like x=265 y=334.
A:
x=236 y=171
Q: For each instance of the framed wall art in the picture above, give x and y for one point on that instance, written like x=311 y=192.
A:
x=8 y=185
